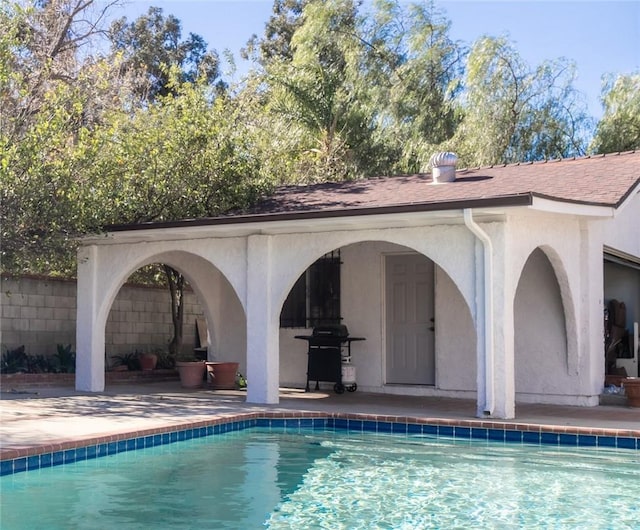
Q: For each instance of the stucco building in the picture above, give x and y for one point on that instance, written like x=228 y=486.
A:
x=485 y=283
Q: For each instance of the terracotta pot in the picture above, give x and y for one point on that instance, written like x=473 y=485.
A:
x=632 y=391
x=148 y=361
x=222 y=375
x=191 y=373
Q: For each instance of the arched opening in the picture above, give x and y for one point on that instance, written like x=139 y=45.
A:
x=138 y=314
x=434 y=331
x=540 y=330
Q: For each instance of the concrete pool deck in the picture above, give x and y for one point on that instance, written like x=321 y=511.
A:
x=57 y=417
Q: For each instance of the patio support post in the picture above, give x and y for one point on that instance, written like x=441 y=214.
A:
x=262 y=330
x=89 y=333
x=494 y=327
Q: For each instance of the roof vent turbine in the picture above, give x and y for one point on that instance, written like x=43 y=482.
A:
x=443 y=167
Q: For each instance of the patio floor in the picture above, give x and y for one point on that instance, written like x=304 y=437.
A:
x=46 y=416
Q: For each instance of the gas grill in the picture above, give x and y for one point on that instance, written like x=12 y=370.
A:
x=329 y=357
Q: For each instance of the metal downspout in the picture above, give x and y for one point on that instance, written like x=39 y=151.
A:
x=487 y=289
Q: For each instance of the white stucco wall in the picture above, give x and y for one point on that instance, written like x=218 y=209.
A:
x=540 y=331
x=362 y=300
x=242 y=277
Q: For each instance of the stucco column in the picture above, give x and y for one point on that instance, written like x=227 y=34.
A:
x=262 y=324
x=493 y=318
x=89 y=333
x=503 y=332
x=591 y=362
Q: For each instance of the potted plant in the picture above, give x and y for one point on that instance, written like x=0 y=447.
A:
x=632 y=390
x=148 y=361
x=191 y=371
x=223 y=375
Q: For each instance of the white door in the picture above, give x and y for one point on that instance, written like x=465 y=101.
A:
x=410 y=354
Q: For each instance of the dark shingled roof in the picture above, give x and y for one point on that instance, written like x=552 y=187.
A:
x=602 y=180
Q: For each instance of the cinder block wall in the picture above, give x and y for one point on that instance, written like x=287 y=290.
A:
x=40 y=313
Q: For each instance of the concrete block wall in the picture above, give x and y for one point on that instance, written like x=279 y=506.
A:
x=40 y=313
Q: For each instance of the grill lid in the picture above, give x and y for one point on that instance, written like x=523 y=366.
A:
x=337 y=330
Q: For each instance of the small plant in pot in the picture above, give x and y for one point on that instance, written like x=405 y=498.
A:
x=148 y=360
x=191 y=371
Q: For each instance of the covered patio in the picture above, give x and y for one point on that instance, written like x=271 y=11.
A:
x=486 y=285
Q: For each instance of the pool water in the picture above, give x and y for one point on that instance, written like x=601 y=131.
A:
x=260 y=478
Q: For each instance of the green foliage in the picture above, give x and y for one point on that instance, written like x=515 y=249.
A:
x=14 y=361
x=340 y=91
x=513 y=114
x=153 y=43
x=131 y=360
x=65 y=359
x=619 y=128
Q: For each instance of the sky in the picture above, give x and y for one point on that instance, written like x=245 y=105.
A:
x=601 y=37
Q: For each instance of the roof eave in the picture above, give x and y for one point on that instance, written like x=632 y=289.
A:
x=523 y=199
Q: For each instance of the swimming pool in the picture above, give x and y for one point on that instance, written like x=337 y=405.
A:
x=307 y=477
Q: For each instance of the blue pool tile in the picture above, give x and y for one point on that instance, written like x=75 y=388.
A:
x=46 y=460
x=445 y=430
x=513 y=436
x=33 y=462
x=277 y=422
x=81 y=454
x=92 y=451
x=369 y=425
x=19 y=464
x=340 y=423
x=627 y=443
x=399 y=428
x=384 y=426
x=188 y=435
x=112 y=448
x=587 y=440
x=549 y=438
x=414 y=428
x=57 y=458
x=355 y=425
x=6 y=467
x=131 y=444
x=103 y=450
x=530 y=437
x=497 y=435
x=462 y=432
x=173 y=436
x=307 y=423
x=140 y=443
x=292 y=423
x=181 y=436
x=568 y=439
x=209 y=430
x=430 y=429
x=479 y=433
x=122 y=446
x=606 y=441
x=69 y=456
x=157 y=439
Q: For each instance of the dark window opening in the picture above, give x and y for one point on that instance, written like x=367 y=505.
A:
x=314 y=299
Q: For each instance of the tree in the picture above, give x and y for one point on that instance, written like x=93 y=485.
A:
x=279 y=30
x=414 y=69
x=513 y=114
x=50 y=97
x=619 y=128
x=153 y=43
